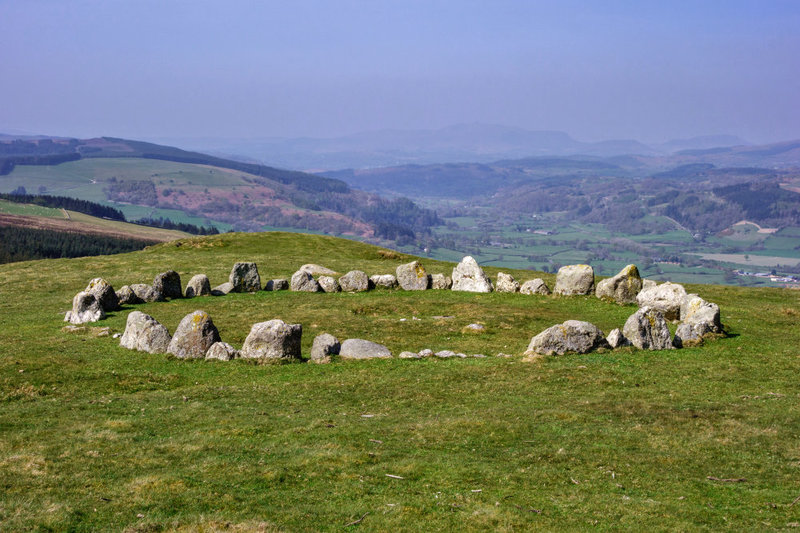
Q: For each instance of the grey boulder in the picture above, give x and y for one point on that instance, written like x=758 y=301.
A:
x=198 y=286
x=104 y=293
x=616 y=339
x=647 y=330
x=145 y=334
x=168 y=284
x=302 y=281
x=147 y=293
x=441 y=282
x=317 y=270
x=363 y=349
x=621 y=288
x=697 y=311
x=194 y=336
x=329 y=284
x=222 y=351
x=354 y=281
x=222 y=289
x=385 y=281
x=574 y=280
x=273 y=339
x=85 y=309
x=666 y=298
x=413 y=277
x=506 y=283
x=279 y=284
x=324 y=347
x=126 y=296
x=244 y=277
x=571 y=336
x=535 y=286
x=468 y=276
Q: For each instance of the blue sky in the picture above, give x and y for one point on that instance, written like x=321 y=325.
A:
x=597 y=70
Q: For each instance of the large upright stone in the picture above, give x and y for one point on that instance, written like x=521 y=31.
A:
x=354 y=281
x=571 y=336
x=647 y=330
x=622 y=288
x=506 y=283
x=198 y=286
x=363 y=349
x=168 y=284
x=144 y=333
x=441 y=282
x=413 y=277
x=146 y=293
x=194 y=336
x=244 y=277
x=573 y=280
x=104 y=293
x=302 y=281
x=273 y=340
x=85 y=308
x=385 y=281
x=697 y=311
x=666 y=298
x=535 y=286
x=469 y=276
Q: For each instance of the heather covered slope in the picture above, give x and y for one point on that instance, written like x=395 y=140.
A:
x=95 y=437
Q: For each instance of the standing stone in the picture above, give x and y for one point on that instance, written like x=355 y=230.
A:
x=144 y=333
x=222 y=351
x=666 y=298
x=386 y=281
x=104 y=293
x=354 y=281
x=616 y=339
x=325 y=346
x=126 y=296
x=169 y=284
x=198 y=286
x=194 y=336
x=303 y=282
x=647 y=330
x=279 y=284
x=698 y=312
x=468 y=276
x=441 y=282
x=363 y=349
x=622 y=288
x=506 y=283
x=244 y=278
x=147 y=293
x=413 y=277
x=571 y=336
x=222 y=289
x=535 y=286
x=574 y=280
x=329 y=284
x=273 y=340
x=85 y=308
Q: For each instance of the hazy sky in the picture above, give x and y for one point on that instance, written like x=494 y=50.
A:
x=595 y=69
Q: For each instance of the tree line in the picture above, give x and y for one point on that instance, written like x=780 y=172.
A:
x=63 y=202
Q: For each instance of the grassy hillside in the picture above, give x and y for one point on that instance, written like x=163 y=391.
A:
x=95 y=437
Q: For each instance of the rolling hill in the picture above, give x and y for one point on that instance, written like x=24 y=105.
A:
x=96 y=437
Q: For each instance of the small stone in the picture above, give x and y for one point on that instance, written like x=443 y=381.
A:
x=100 y=332
x=329 y=284
x=198 y=286
x=168 y=284
x=384 y=281
x=506 y=355
x=222 y=289
x=616 y=339
x=413 y=277
x=244 y=277
x=302 y=281
x=469 y=276
x=222 y=351
x=425 y=353
x=280 y=284
x=363 y=349
x=409 y=355
x=441 y=282
x=74 y=329
x=354 y=281
x=535 y=286
x=444 y=354
x=474 y=328
x=571 y=336
x=325 y=346
x=506 y=283
x=478 y=356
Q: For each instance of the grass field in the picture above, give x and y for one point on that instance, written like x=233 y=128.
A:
x=95 y=437
x=13 y=208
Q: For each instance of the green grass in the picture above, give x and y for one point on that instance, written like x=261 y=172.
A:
x=13 y=208
x=95 y=437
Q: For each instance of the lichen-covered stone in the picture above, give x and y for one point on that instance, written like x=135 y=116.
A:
x=194 y=336
x=441 y=282
x=147 y=293
x=244 y=277
x=688 y=335
x=648 y=330
x=104 y=293
x=621 y=288
x=324 y=347
x=506 y=283
x=574 y=280
x=363 y=349
x=126 y=296
x=273 y=339
x=571 y=336
x=168 y=284
x=85 y=309
x=354 y=281
x=145 y=334
x=198 y=286
x=329 y=284
x=696 y=311
x=535 y=286
x=666 y=298
x=384 y=281
x=302 y=281
x=222 y=351
x=468 y=276
x=279 y=284
x=413 y=277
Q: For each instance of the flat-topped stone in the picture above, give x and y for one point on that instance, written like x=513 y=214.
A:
x=363 y=349
x=574 y=280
